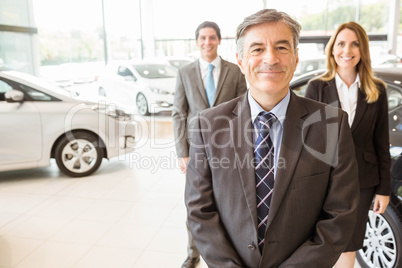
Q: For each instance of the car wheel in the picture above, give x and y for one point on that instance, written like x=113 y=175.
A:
x=102 y=92
x=142 y=104
x=78 y=154
x=383 y=241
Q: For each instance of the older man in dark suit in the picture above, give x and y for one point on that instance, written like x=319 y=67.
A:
x=272 y=177
x=205 y=83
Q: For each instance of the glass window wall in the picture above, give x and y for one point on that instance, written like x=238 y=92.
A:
x=16 y=51
x=73 y=30
x=17 y=40
x=15 y=12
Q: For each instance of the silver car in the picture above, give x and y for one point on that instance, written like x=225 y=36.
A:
x=39 y=121
x=147 y=86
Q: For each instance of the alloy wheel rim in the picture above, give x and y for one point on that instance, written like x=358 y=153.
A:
x=142 y=104
x=379 y=246
x=79 y=156
x=102 y=92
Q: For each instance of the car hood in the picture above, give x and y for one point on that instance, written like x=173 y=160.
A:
x=105 y=105
x=167 y=84
x=108 y=106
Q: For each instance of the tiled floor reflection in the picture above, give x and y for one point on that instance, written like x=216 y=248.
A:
x=130 y=213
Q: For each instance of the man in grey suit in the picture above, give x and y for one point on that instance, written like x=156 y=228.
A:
x=298 y=208
x=192 y=96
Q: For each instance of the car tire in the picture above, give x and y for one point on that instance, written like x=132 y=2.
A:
x=101 y=92
x=142 y=104
x=78 y=154
x=382 y=246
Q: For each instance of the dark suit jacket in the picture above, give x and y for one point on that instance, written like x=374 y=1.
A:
x=190 y=97
x=370 y=134
x=315 y=196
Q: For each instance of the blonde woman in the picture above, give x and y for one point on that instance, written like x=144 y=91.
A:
x=349 y=84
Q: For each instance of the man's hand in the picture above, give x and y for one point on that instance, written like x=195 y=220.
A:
x=380 y=203
x=183 y=164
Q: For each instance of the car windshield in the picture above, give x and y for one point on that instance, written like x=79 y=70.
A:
x=152 y=71
x=40 y=82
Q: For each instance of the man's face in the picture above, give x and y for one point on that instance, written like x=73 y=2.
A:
x=269 y=59
x=208 y=42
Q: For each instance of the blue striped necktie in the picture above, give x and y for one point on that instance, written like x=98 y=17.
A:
x=264 y=171
x=210 y=85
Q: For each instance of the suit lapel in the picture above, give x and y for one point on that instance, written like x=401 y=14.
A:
x=244 y=153
x=294 y=133
x=333 y=99
x=195 y=74
x=361 y=108
x=222 y=77
x=332 y=94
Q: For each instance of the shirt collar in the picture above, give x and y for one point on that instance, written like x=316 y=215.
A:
x=279 y=110
x=204 y=64
x=339 y=82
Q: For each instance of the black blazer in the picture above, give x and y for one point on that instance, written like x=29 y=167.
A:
x=369 y=130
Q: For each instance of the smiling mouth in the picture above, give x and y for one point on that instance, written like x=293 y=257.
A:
x=347 y=58
x=269 y=71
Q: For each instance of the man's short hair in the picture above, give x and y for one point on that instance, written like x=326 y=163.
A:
x=266 y=16
x=208 y=24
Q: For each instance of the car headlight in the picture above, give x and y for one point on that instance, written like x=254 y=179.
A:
x=113 y=111
x=119 y=114
x=159 y=91
x=395 y=151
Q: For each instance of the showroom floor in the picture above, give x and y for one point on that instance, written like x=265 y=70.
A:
x=130 y=213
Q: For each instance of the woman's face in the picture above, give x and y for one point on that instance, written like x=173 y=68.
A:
x=346 y=50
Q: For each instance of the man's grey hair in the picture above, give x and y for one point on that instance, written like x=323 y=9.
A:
x=266 y=16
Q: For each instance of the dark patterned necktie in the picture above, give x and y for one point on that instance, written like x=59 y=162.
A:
x=264 y=171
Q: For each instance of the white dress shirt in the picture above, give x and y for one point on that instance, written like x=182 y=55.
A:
x=215 y=72
x=348 y=96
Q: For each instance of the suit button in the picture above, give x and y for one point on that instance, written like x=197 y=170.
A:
x=251 y=247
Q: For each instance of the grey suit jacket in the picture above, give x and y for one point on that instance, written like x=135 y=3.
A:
x=190 y=97
x=316 y=192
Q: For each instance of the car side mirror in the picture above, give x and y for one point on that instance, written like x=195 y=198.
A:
x=14 y=96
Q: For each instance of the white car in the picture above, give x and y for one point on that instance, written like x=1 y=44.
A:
x=177 y=62
x=69 y=74
x=148 y=86
x=386 y=61
x=39 y=121
x=310 y=64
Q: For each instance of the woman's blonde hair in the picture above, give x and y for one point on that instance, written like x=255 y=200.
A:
x=369 y=83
